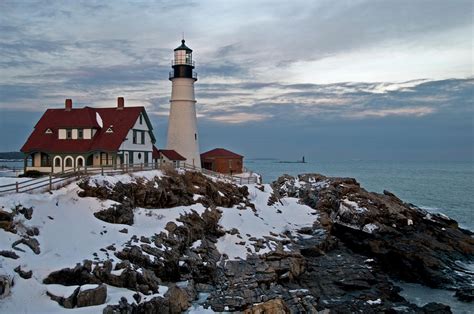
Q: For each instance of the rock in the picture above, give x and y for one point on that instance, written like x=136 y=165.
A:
x=465 y=294
x=5 y=216
x=32 y=243
x=438 y=308
x=409 y=243
x=6 y=221
x=23 y=274
x=124 y=230
x=178 y=299
x=5 y=286
x=9 y=254
x=68 y=302
x=92 y=296
x=170 y=191
x=79 y=275
x=116 y=214
x=122 y=308
x=275 y=306
x=26 y=212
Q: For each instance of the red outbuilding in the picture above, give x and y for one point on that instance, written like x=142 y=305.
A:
x=223 y=161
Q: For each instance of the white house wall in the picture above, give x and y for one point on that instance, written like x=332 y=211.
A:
x=137 y=149
x=87 y=134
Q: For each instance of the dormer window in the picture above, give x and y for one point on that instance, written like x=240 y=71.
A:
x=141 y=119
x=109 y=130
x=48 y=131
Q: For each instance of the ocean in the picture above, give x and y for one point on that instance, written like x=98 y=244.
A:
x=446 y=187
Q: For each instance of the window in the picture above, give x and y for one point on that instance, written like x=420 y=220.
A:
x=80 y=134
x=141 y=119
x=195 y=137
x=109 y=130
x=48 y=131
x=45 y=162
x=230 y=163
x=139 y=156
x=106 y=159
x=80 y=162
x=142 y=137
x=130 y=160
x=68 y=162
x=134 y=136
x=146 y=157
x=68 y=134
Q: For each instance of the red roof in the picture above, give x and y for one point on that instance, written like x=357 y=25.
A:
x=120 y=121
x=220 y=152
x=156 y=153
x=171 y=154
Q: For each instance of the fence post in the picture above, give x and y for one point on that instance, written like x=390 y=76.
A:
x=16 y=186
x=249 y=180
x=102 y=170
x=50 y=182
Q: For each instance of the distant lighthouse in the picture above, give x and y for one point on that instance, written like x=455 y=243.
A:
x=182 y=124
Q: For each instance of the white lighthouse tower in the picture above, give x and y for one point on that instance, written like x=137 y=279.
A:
x=182 y=124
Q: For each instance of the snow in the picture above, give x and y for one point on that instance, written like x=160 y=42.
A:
x=11 y=180
x=348 y=205
x=99 y=120
x=196 y=244
x=88 y=287
x=372 y=302
x=73 y=234
x=266 y=219
x=370 y=228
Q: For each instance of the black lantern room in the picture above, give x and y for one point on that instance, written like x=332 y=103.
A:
x=183 y=63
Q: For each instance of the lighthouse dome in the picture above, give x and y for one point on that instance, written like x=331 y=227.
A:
x=184 y=47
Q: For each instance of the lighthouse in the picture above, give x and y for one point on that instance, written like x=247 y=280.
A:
x=182 y=124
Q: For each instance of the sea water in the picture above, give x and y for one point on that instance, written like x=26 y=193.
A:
x=446 y=187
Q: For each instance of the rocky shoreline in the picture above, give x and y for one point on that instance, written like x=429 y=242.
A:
x=342 y=261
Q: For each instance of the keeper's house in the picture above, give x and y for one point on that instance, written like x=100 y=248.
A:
x=78 y=138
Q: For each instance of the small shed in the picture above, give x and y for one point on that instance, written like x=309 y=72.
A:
x=167 y=156
x=223 y=161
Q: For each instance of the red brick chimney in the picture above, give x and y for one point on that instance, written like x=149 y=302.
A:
x=120 y=103
x=68 y=104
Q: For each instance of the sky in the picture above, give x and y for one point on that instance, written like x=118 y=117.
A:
x=331 y=80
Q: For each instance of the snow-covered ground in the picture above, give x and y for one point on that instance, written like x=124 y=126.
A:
x=70 y=233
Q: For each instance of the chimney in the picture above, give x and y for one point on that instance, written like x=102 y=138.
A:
x=120 y=103
x=68 y=104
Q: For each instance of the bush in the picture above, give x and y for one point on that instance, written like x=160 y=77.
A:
x=31 y=174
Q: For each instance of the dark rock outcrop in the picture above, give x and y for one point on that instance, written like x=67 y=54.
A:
x=32 y=243
x=117 y=214
x=170 y=191
x=23 y=274
x=93 y=296
x=9 y=254
x=5 y=285
x=408 y=242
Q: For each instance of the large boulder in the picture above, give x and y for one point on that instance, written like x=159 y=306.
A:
x=275 y=306
x=5 y=285
x=117 y=214
x=91 y=295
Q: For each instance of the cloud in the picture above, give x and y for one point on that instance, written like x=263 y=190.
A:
x=240 y=117
x=381 y=113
